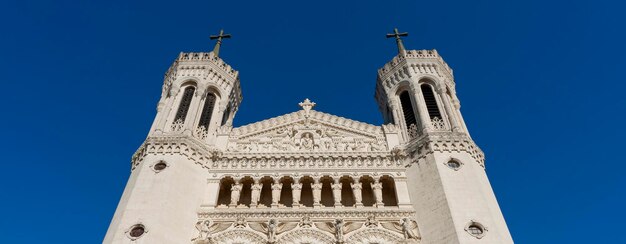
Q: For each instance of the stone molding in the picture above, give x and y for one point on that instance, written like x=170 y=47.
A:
x=381 y=214
x=432 y=142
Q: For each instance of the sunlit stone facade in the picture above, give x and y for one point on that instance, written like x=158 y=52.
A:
x=308 y=176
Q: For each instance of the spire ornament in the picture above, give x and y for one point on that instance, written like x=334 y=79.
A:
x=397 y=35
x=218 y=44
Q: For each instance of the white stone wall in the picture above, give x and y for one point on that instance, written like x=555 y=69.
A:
x=166 y=202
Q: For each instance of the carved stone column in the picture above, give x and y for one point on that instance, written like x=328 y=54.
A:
x=276 y=188
x=296 y=190
x=337 y=193
x=450 y=111
x=256 y=193
x=235 y=192
x=420 y=103
x=378 y=193
x=357 y=191
x=317 y=193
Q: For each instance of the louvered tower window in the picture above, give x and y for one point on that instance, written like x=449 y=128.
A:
x=431 y=102
x=207 y=111
x=407 y=109
x=181 y=114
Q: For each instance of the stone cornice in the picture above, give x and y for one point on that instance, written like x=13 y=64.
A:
x=211 y=158
x=444 y=142
x=296 y=214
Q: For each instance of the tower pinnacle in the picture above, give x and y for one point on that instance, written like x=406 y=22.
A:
x=397 y=35
x=216 y=49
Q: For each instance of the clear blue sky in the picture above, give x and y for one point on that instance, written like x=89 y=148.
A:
x=540 y=82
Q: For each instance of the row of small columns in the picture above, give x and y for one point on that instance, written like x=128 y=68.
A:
x=379 y=192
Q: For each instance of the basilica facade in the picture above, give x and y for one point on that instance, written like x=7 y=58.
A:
x=308 y=176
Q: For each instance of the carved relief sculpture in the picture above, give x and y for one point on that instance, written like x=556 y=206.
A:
x=234 y=195
x=296 y=189
x=256 y=193
x=337 y=193
x=276 y=188
x=377 y=187
x=357 y=191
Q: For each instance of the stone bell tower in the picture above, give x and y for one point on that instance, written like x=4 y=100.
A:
x=446 y=177
x=200 y=96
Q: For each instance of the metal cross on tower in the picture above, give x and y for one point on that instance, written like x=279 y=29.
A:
x=216 y=49
x=397 y=35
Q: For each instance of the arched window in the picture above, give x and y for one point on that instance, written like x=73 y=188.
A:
x=245 y=197
x=347 y=196
x=225 y=190
x=207 y=111
x=266 y=191
x=286 y=197
x=389 y=191
x=181 y=114
x=367 y=192
x=431 y=101
x=407 y=109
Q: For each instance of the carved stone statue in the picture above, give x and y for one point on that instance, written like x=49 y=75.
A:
x=240 y=222
x=409 y=228
x=271 y=230
x=306 y=222
x=256 y=193
x=371 y=222
x=203 y=228
x=296 y=189
x=317 y=192
x=337 y=193
x=276 y=188
x=338 y=224
x=306 y=142
x=235 y=191
x=378 y=192
x=356 y=189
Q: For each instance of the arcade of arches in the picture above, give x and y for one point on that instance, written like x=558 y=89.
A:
x=306 y=191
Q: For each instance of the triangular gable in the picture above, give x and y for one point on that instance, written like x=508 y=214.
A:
x=307 y=131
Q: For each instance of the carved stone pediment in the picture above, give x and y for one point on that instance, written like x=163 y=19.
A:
x=307 y=131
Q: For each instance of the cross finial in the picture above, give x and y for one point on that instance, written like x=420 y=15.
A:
x=216 y=49
x=307 y=105
x=397 y=35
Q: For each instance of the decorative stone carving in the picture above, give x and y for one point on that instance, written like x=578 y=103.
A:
x=338 y=224
x=377 y=187
x=337 y=193
x=357 y=191
x=276 y=188
x=178 y=125
x=235 y=191
x=371 y=222
x=438 y=124
x=307 y=130
x=296 y=189
x=306 y=222
x=317 y=192
x=201 y=132
x=255 y=193
x=409 y=229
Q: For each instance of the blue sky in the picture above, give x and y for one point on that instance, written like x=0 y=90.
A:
x=540 y=83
